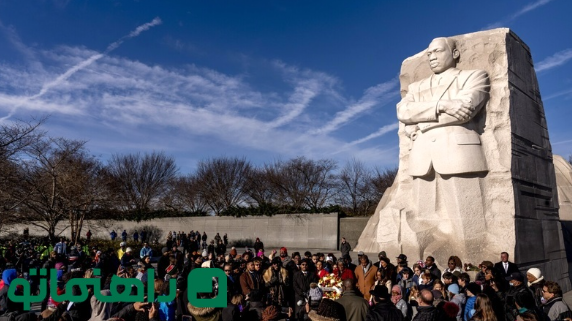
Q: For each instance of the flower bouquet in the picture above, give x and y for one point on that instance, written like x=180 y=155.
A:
x=331 y=285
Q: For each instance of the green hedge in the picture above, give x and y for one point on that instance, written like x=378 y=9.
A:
x=270 y=209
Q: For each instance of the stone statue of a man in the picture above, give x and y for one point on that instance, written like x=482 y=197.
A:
x=446 y=159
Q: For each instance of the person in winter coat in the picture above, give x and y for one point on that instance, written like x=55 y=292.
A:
x=342 y=272
x=166 y=309
x=365 y=276
x=458 y=298
x=473 y=289
x=554 y=307
x=398 y=299
x=406 y=280
x=345 y=247
x=258 y=245
x=383 y=309
x=535 y=283
x=7 y=305
x=354 y=304
x=426 y=311
x=484 y=309
x=276 y=280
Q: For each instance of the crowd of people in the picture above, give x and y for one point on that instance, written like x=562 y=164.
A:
x=278 y=285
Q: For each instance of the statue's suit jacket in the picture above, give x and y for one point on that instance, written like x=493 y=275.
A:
x=438 y=140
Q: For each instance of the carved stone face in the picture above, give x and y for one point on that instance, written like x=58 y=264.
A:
x=441 y=56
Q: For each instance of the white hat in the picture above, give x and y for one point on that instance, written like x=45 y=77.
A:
x=128 y=250
x=535 y=272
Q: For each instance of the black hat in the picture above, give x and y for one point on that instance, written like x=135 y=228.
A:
x=406 y=270
x=474 y=288
x=382 y=253
x=515 y=276
x=277 y=260
x=164 y=250
x=402 y=257
x=380 y=291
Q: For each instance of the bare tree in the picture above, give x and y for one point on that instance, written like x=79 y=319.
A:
x=302 y=182
x=570 y=159
x=82 y=189
x=355 y=192
x=48 y=187
x=14 y=139
x=258 y=188
x=138 y=181
x=185 y=195
x=222 y=182
x=382 y=180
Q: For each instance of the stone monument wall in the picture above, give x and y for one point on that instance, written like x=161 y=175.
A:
x=519 y=189
x=300 y=231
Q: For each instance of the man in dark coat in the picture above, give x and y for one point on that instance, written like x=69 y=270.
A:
x=517 y=287
x=163 y=263
x=383 y=309
x=354 y=304
x=426 y=311
x=345 y=247
x=505 y=268
x=301 y=282
x=432 y=267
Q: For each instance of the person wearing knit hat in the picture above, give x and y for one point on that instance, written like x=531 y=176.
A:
x=450 y=311
x=457 y=297
x=535 y=283
x=328 y=310
x=473 y=289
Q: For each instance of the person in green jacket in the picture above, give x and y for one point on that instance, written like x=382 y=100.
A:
x=354 y=304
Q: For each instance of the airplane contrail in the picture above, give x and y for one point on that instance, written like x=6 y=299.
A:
x=63 y=77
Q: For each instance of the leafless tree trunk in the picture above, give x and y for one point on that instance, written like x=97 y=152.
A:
x=258 y=188
x=302 y=182
x=139 y=182
x=48 y=180
x=355 y=192
x=185 y=195
x=221 y=182
x=14 y=139
x=381 y=181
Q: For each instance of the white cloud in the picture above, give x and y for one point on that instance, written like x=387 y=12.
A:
x=529 y=7
x=525 y=9
x=555 y=60
x=382 y=131
x=114 y=101
x=83 y=64
x=558 y=94
x=372 y=97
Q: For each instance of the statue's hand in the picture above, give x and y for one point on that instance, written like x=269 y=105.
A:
x=460 y=109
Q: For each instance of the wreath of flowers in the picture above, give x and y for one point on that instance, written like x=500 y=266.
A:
x=331 y=285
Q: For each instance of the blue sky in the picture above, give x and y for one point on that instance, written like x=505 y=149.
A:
x=259 y=79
